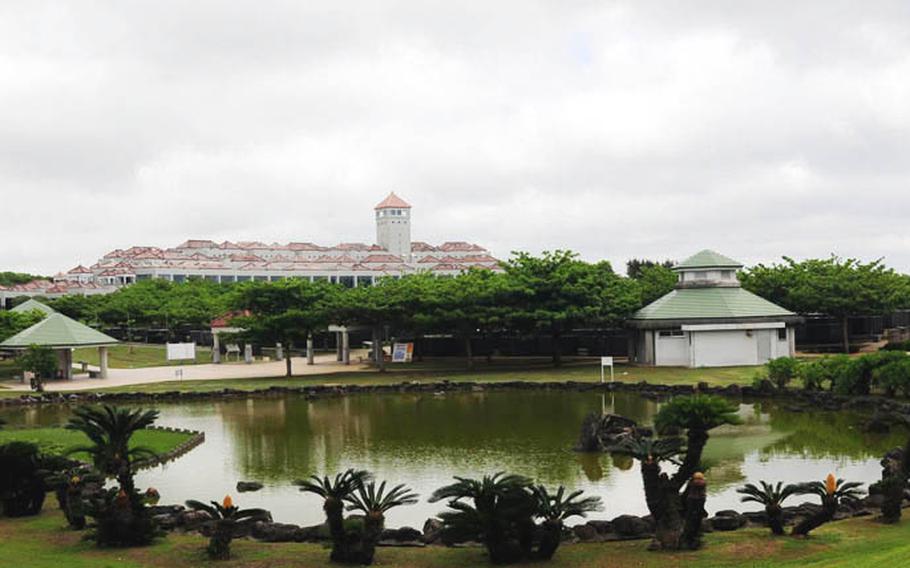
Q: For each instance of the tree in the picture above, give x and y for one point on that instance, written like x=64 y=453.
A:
x=832 y=493
x=554 y=509
x=12 y=323
x=636 y=267
x=110 y=430
x=654 y=282
x=772 y=498
x=468 y=304
x=14 y=278
x=837 y=287
x=497 y=510
x=227 y=518
x=346 y=547
x=22 y=490
x=288 y=311
x=40 y=361
x=557 y=292
x=696 y=416
x=374 y=502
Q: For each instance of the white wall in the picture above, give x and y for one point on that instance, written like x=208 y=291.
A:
x=724 y=348
x=672 y=351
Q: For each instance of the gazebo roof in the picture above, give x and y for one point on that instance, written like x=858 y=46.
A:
x=59 y=331
x=699 y=304
x=708 y=259
x=30 y=305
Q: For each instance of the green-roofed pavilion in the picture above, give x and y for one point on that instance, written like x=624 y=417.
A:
x=34 y=305
x=709 y=320
x=62 y=334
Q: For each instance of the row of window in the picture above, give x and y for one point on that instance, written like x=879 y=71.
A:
x=391 y=213
x=781 y=333
x=346 y=281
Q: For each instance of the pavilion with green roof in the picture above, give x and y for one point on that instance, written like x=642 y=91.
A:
x=62 y=334
x=34 y=305
x=709 y=320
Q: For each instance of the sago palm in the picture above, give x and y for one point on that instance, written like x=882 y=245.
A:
x=772 y=497
x=832 y=492
x=334 y=492
x=110 y=430
x=374 y=502
x=555 y=509
x=497 y=509
x=227 y=516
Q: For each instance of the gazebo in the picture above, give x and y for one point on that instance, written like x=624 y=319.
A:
x=31 y=305
x=63 y=334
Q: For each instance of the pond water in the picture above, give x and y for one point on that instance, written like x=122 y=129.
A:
x=425 y=439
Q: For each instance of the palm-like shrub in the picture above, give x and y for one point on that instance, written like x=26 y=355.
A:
x=772 y=498
x=334 y=493
x=22 y=489
x=374 y=502
x=227 y=517
x=497 y=510
x=832 y=492
x=110 y=430
x=121 y=516
x=554 y=510
x=696 y=416
x=73 y=486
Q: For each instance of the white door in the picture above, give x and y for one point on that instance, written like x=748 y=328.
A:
x=765 y=336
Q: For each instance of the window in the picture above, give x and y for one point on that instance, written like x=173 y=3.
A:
x=782 y=334
x=346 y=281
x=672 y=333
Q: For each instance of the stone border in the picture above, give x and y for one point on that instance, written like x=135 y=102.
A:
x=196 y=438
x=796 y=399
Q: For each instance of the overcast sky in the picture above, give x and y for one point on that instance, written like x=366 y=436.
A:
x=616 y=129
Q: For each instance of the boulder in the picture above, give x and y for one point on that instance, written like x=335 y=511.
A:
x=585 y=532
x=277 y=532
x=432 y=531
x=247 y=486
x=404 y=534
x=193 y=520
x=727 y=521
x=630 y=526
x=602 y=527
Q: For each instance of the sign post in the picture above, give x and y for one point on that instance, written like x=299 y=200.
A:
x=606 y=362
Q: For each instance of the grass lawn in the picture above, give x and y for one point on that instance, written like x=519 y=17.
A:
x=534 y=370
x=59 y=440
x=43 y=541
x=138 y=355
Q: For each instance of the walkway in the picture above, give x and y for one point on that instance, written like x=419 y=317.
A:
x=126 y=377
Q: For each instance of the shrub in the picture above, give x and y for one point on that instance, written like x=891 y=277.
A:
x=22 y=489
x=894 y=376
x=227 y=518
x=782 y=370
x=815 y=374
x=121 y=519
x=897 y=346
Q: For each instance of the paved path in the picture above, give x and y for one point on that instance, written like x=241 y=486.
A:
x=125 y=377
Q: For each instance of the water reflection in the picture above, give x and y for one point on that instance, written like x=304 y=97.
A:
x=423 y=439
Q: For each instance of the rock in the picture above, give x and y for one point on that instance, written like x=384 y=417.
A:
x=585 y=532
x=602 y=527
x=630 y=526
x=247 y=486
x=728 y=521
x=756 y=517
x=192 y=520
x=404 y=534
x=432 y=531
x=277 y=532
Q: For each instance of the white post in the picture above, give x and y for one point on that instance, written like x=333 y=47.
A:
x=102 y=362
x=216 y=348
x=247 y=353
x=345 y=347
x=310 y=359
x=339 y=350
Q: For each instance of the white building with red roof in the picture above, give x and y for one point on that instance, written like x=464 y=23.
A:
x=347 y=263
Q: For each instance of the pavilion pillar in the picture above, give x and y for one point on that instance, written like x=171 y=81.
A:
x=248 y=353
x=216 y=348
x=68 y=364
x=345 y=347
x=102 y=362
x=279 y=352
x=310 y=359
x=339 y=350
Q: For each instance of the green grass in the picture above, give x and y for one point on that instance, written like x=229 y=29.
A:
x=43 y=541
x=138 y=356
x=501 y=370
x=60 y=441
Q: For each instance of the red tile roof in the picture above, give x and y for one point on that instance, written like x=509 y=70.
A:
x=393 y=202
x=79 y=270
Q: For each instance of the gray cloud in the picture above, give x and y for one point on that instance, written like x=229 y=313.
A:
x=617 y=129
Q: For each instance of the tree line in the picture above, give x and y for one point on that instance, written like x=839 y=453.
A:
x=550 y=294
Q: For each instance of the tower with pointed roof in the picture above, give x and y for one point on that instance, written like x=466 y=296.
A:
x=709 y=320
x=393 y=226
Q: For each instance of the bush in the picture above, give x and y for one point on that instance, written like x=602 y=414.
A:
x=894 y=376
x=897 y=346
x=782 y=370
x=815 y=374
x=22 y=489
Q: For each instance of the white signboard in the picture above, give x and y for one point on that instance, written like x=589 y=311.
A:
x=402 y=352
x=606 y=362
x=181 y=351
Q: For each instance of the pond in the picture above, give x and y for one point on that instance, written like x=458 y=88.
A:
x=425 y=439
